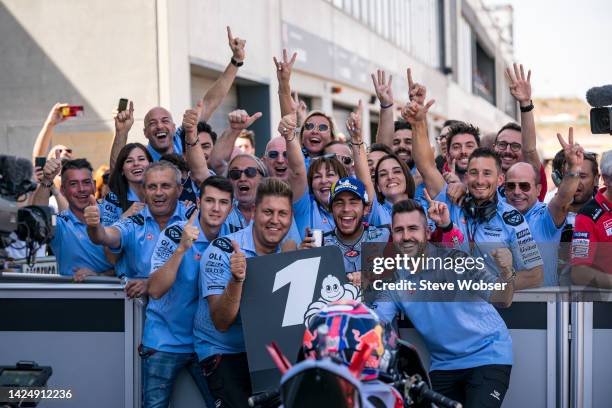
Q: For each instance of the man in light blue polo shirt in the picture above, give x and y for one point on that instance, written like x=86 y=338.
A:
x=135 y=236
x=469 y=343
x=218 y=328
x=76 y=254
x=167 y=343
x=487 y=221
x=546 y=221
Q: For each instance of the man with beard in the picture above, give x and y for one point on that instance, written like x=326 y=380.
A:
x=461 y=140
x=592 y=240
x=473 y=365
x=275 y=158
x=218 y=328
x=487 y=221
x=546 y=221
x=348 y=200
x=442 y=143
x=135 y=236
x=76 y=255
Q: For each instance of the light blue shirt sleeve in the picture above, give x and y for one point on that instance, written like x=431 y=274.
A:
x=126 y=227
x=385 y=307
x=301 y=212
x=215 y=267
x=166 y=245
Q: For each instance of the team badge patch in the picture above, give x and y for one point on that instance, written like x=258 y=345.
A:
x=149 y=236
x=223 y=244
x=513 y=218
x=174 y=233
x=137 y=219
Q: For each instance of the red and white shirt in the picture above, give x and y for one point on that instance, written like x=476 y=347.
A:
x=592 y=238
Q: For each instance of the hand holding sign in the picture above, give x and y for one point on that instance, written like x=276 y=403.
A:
x=237 y=263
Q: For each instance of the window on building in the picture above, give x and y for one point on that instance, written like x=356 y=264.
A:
x=464 y=55
x=484 y=74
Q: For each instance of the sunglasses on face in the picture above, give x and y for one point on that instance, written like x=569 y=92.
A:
x=322 y=127
x=273 y=154
x=524 y=186
x=250 y=172
x=346 y=160
x=515 y=147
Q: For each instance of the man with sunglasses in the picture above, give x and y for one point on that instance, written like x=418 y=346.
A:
x=342 y=152
x=246 y=172
x=275 y=158
x=523 y=186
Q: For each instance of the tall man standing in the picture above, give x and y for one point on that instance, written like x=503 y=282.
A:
x=218 y=327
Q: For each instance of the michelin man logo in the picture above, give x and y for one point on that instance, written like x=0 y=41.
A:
x=331 y=291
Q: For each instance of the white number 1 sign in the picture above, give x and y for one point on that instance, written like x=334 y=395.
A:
x=302 y=279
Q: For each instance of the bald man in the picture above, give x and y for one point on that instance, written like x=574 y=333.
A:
x=275 y=158
x=523 y=186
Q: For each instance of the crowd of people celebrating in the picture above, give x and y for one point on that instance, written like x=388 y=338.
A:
x=180 y=216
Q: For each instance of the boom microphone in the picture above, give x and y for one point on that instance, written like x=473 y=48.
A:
x=599 y=96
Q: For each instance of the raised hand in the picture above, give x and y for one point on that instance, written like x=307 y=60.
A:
x=451 y=176
x=353 y=124
x=237 y=46
x=520 y=86
x=309 y=241
x=238 y=263
x=287 y=125
x=92 y=213
x=301 y=111
x=190 y=233
x=240 y=119
x=503 y=259
x=52 y=167
x=383 y=89
x=191 y=117
x=55 y=116
x=574 y=153
x=416 y=91
x=124 y=119
x=134 y=209
x=437 y=212
x=414 y=113
x=284 y=67
x=456 y=192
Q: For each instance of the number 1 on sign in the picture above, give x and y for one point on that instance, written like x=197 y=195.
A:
x=302 y=277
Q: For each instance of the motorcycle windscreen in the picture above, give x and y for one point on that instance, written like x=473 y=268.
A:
x=316 y=387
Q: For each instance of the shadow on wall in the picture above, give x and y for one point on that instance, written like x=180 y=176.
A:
x=30 y=84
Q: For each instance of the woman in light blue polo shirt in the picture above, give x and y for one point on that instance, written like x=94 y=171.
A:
x=125 y=182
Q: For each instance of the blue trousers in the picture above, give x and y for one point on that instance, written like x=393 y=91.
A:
x=159 y=371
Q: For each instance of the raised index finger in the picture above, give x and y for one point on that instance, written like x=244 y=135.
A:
x=410 y=82
x=427 y=197
x=236 y=247
x=229 y=35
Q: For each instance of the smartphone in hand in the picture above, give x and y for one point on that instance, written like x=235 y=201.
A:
x=72 y=110
x=123 y=104
x=40 y=161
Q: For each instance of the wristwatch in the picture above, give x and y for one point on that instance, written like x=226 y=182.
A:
x=512 y=277
x=572 y=174
x=527 y=108
x=236 y=63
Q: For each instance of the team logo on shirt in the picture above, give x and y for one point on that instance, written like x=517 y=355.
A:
x=149 y=236
x=174 y=233
x=608 y=227
x=513 y=218
x=137 y=219
x=223 y=244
